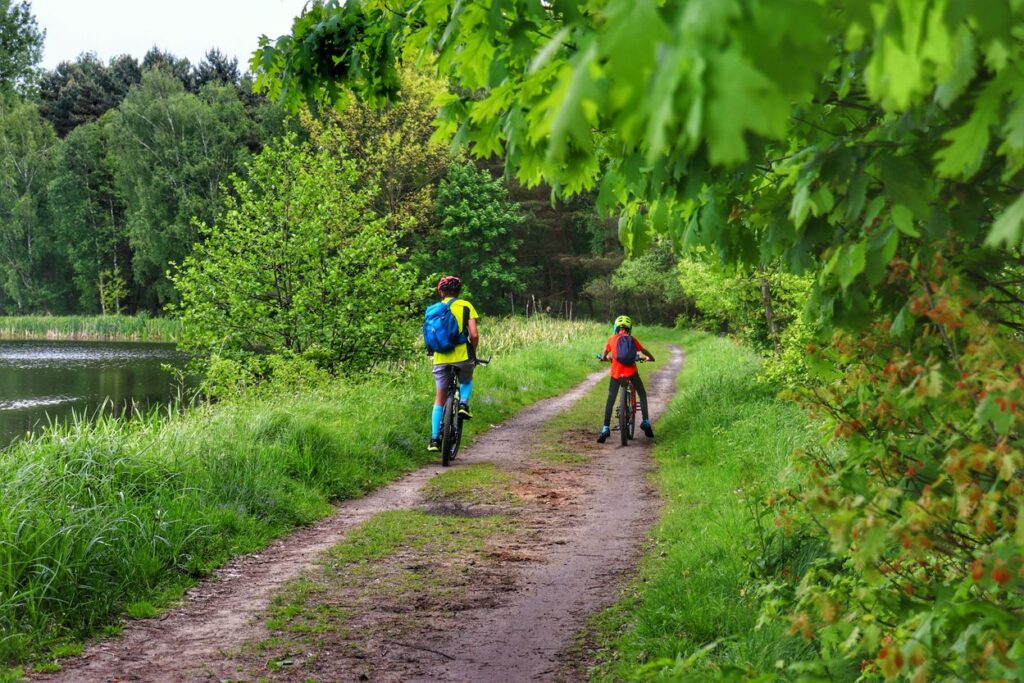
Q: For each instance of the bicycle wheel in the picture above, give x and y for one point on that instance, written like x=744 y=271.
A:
x=632 y=414
x=457 y=438
x=624 y=416
x=448 y=431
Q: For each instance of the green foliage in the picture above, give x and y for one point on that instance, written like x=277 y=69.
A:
x=731 y=299
x=76 y=93
x=172 y=150
x=474 y=237
x=647 y=287
x=21 y=45
x=28 y=145
x=297 y=263
x=393 y=151
x=89 y=219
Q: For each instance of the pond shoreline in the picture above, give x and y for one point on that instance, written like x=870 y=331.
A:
x=55 y=380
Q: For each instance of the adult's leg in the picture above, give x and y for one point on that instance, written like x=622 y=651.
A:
x=441 y=386
x=613 y=391
x=641 y=393
x=465 y=380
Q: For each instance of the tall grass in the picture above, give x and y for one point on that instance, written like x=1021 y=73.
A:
x=95 y=516
x=91 y=328
x=723 y=443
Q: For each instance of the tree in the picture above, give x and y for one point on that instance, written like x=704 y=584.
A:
x=648 y=288
x=27 y=144
x=172 y=151
x=21 y=44
x=217 y=68
x=178 y=67
x=883 y=153
x=297 y=263
x=89 y=219
x=393 y=150
x=474 y=236
x=83 y=90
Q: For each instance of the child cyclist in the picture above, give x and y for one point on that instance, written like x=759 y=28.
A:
x=624 y=369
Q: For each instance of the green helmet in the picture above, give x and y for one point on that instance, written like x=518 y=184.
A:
x=624 y=321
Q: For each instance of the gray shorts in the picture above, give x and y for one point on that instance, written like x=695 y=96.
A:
x=465 y=369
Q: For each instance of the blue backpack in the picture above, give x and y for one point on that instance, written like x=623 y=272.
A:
x=625 y=350
x=441 y=329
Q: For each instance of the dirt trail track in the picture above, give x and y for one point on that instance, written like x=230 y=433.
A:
x=517 y=637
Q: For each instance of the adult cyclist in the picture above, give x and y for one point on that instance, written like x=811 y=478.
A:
x=623 y=372
x=448 y=288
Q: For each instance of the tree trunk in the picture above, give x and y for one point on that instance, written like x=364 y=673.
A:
x=769 y=315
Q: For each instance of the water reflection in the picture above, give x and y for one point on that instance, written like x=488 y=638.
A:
x=48 y=380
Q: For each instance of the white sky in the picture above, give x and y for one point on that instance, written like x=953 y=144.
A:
x=186 y=28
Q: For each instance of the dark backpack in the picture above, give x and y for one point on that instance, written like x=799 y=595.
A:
x=625 y=350
x=441 y=329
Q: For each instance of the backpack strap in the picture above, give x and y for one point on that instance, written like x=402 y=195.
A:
x=465 y=330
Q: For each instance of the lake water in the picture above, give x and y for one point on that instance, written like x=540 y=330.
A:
x=48 y=380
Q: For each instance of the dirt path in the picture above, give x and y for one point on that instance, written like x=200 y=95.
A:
x=534 y=598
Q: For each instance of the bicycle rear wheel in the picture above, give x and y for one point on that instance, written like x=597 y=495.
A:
x=624 y=418
x=448 y=431
x=632 y=414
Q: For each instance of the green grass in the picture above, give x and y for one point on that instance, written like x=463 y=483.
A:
x=479 y=483
x=386 y=532
x=93 y=328
x=723 y=443
x=97 y=516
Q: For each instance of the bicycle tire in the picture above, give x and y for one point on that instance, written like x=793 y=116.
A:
x=457 y=437
x=624 y=416
x=632 y=414
x=447 y=430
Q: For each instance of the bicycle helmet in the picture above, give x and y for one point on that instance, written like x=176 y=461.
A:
x=449 y=285
x=624 y=321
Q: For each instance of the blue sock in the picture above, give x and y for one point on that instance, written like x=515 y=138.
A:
x=464 y=390
x=435 y=422
x=605 y=428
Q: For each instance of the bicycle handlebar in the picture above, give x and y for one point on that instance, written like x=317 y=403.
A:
x=609 y=360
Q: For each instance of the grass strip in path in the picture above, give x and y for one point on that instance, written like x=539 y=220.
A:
x=723 y=443
x=407 y=564
x=97 y=517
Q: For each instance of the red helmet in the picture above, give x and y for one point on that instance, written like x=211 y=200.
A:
x=449 y=284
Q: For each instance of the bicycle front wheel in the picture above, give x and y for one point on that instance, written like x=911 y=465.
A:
x=449 y=441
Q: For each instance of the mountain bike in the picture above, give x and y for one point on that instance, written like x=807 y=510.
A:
x=451 y=421
x=627 y=409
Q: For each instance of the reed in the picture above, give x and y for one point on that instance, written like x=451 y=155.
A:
x=90 y=328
